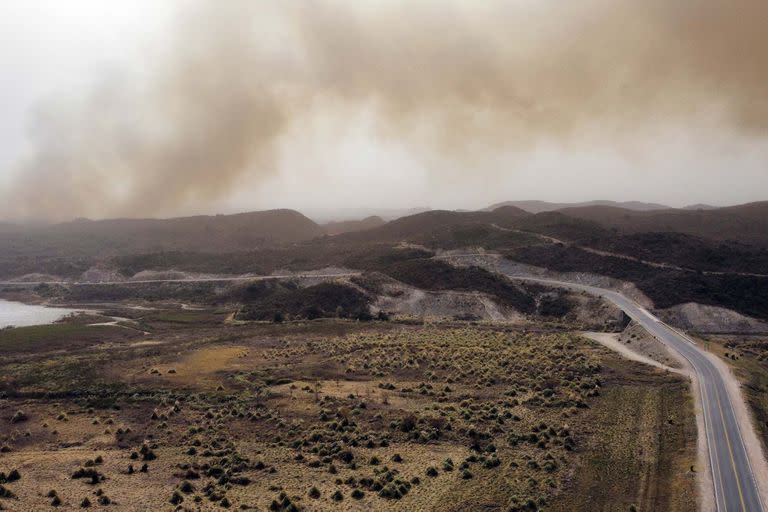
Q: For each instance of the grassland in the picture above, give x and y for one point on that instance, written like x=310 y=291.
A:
x=201 y=414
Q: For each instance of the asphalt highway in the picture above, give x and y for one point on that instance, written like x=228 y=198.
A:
x=734 y=481
x=735 y=487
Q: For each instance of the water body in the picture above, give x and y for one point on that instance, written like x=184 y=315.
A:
x=18 y=314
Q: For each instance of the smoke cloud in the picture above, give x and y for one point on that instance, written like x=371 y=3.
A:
x=457 y=79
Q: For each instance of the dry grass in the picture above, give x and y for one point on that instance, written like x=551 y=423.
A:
x=261 y=413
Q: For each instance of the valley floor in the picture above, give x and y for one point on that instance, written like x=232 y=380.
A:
x=200 y=413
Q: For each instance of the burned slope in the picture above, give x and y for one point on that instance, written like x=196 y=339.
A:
x=687 y=251
x=297 y=257
x=746 y=223
x=445 y=229
x=560 y=226
x=437 y=275
x=746 y=294
x=276 y=301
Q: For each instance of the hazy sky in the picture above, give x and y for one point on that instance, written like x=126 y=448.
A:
x=162 y=108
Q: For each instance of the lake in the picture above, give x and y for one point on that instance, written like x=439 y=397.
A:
x=18 y=314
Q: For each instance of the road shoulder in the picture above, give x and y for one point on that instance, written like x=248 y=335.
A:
x=704 y=470
x=753 y=446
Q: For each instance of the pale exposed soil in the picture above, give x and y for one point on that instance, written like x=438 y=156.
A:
x=496 y=263
x=406 y=301
x=613 y=341
x=638 y=339
x=711 y=319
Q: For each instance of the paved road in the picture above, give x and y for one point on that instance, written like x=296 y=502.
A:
x=734 y=480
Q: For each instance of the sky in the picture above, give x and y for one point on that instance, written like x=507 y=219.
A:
x=148 y=108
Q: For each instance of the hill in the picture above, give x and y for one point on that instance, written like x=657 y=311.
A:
x=561 y=226
x=545 y=206
x=700 y=206
x=218 y=233
x=687 y=251
x=745 y=223
x=666 y=288
x=342 y=214
x=349 y=226
x=442 y=228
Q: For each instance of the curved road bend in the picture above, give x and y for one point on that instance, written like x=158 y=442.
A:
x=734 y=481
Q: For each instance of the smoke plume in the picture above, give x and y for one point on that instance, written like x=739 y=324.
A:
x=458 y=79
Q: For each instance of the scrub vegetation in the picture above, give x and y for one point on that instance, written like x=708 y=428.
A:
x=338 y=415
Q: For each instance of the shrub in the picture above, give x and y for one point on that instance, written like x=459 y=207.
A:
x=408 y=423
x=146 y=453
x=337 y=496
x=390 y=492
x=91 y=473
x=176 y=498
x=314 y=493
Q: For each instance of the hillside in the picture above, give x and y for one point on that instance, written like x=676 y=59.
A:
x=533 y=206
x=561 y=226
x=687 y=251
x=745 y=223
x=443 y=228
x=666 y=288
x=349 y=226
x=219 y=233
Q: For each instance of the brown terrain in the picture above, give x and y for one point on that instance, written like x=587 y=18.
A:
x=334 y=415
x=266 y=362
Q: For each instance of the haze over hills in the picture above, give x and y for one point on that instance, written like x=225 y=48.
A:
x=714 y=257
x=346 y=226
x=246 y=231
x=247 y=260
x=744 y=223
x=216 y=233
x=535 y=206
x=700 y=206
x=435 y=222
x=343 y=214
